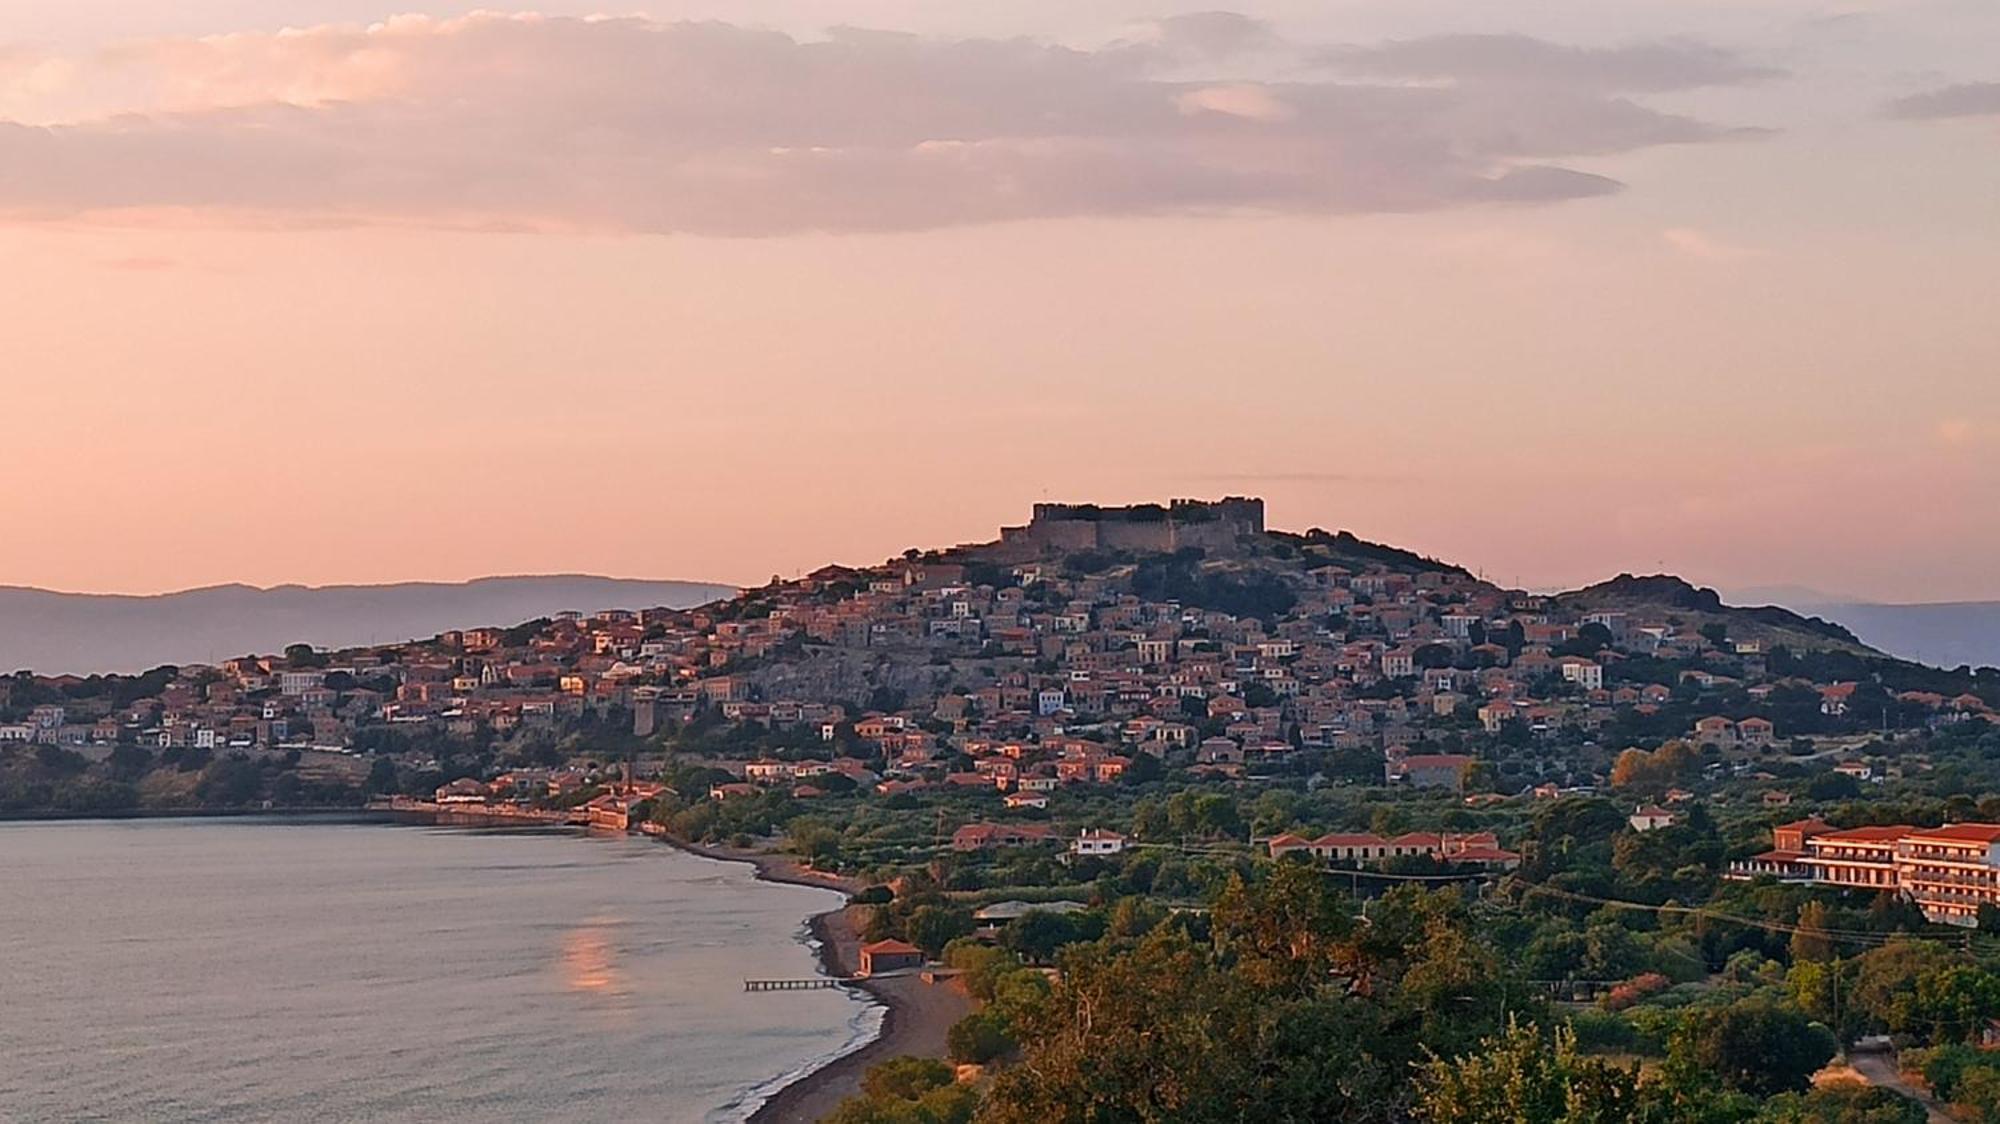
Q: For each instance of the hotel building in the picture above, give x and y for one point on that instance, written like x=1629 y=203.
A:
x=1949 y=871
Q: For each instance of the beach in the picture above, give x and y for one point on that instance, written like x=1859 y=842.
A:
x=916 y=1017
x=433 y=976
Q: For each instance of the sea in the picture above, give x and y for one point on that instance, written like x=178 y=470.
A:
x=262 y=969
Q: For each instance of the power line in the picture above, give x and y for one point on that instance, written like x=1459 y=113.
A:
x=1851 y=936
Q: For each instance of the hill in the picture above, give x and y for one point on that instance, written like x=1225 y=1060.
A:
x=1697 y=606
x=80 y=633
x=1941 y=633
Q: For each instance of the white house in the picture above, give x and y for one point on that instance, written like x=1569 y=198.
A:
x=1649 y=818
x=1584 y=673
x=1096 y=843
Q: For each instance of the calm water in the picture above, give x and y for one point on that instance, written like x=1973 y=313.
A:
x=237 y=970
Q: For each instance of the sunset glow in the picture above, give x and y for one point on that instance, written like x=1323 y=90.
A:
x=719 y=291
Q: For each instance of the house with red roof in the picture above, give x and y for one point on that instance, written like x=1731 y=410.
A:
x=890 y=956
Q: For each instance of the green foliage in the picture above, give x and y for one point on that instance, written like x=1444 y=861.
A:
x=1958 y=1074
x=1755 y=1046
x=230 y=781
x=978 y=1038
x=932 y=927
x=979 y=966
x=1285 y=1003
x=1523 y=1078
x=1180 y=577
x=908 y=1091
x=1843 y=1104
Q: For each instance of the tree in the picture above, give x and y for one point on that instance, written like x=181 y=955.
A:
x=1979 y=1093
x=1824 y=990
x=1843 y=1104
x=814 y=841
x=1520 y=1077
x=381 y=775
x=1953 y=1003
x=1144 y=767
x=1810 y=941
x=1037 y=934
x=1154 y=1035
x=931 y=927
x=1430 y=657
x=908 y=1091
x=977 y=1038
x=1886 y=978
x=905 y=1078
x=1285 y=931
x=229 y=781
x=1475 y=776
x=1672 y=763
x=1755 y=1046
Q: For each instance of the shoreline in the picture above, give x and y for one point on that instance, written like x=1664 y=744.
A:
x=916 y=1016
x=297 y=811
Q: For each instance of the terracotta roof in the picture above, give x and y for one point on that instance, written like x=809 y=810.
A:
x=1959 y=832
x=1350 y=839
x=891 y=945
x=1886 y=834
x=1483 y=854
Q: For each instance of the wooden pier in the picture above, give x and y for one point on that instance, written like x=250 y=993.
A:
x=814 y=984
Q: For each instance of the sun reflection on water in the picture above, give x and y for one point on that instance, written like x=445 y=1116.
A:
x=589 y=960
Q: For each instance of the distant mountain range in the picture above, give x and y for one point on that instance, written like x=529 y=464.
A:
x=1944 y=634
x=79 y=633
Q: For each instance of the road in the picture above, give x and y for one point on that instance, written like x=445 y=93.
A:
x=1879 y=1068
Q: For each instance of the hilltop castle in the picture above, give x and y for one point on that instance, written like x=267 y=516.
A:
x=1143 y=528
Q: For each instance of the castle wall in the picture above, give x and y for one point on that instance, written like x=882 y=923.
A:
x=1062 y=528
x=1139 y=537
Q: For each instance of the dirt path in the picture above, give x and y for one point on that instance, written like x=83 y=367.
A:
x=1880 y=1069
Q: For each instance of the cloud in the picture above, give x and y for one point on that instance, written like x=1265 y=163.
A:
x=1213 y=35
x=1253 y=103
x=1517 y=60
x=1970 y=99
x=630 y=124
x=1700 y=244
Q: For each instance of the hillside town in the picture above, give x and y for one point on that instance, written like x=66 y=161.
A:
x=1077 y=648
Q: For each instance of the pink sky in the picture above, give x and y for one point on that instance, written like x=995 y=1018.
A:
x=1706 y=287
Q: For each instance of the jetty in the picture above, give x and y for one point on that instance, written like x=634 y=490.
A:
x=816 y=983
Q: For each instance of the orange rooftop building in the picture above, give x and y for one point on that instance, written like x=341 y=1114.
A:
x=1949 y=871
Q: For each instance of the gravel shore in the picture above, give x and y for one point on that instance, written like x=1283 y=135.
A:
x=916 y=1017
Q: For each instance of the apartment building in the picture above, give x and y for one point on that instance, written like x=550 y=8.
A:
x=1949 y=871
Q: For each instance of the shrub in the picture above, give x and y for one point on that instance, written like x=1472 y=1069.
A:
x=1633 y=991
x=977 y=1038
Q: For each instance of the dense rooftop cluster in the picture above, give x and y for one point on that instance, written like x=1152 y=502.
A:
x=1037 y=661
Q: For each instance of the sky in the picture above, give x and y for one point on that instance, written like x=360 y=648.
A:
x=352 y=291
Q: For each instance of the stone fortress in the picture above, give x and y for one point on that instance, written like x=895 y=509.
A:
x=1056 y=528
